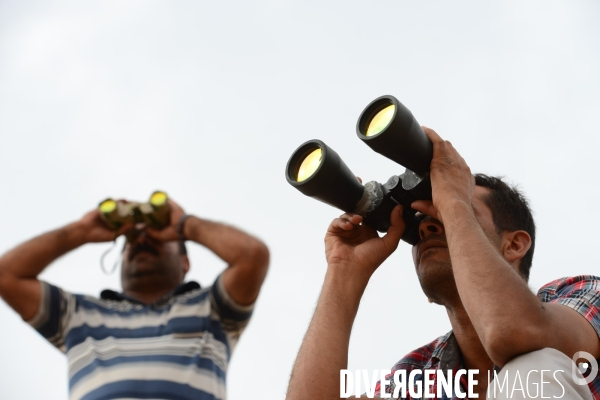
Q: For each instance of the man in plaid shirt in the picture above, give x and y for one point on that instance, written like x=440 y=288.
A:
x=474 y=256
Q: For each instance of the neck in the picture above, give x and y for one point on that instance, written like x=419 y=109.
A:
x=148 y=294
x=472 y=351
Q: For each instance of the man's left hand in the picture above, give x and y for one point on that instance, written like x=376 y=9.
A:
x=451 y=179
x=168 y=233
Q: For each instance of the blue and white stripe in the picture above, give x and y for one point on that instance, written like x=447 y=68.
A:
x=178 y=348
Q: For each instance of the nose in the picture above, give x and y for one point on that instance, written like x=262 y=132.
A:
x=136 y=234
x=430 y=226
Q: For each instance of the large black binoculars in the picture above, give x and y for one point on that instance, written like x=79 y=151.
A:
x=390 y=129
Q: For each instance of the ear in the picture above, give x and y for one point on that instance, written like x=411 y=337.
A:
x=515 y=245
x=185 y=261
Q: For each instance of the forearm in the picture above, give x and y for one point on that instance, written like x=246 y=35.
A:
x=230 y=244
x=20 y=267
x=324 y=350
x=246 y=256
x=496 y=298
x=28 y=260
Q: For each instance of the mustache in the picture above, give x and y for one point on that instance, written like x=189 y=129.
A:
x=144 y=246
x=440 y=239
x=433 y=237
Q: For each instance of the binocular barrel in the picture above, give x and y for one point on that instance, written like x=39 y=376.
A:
x=155 y=213
x=390 y=129
x=317 y=171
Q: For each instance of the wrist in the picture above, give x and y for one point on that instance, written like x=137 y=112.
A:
x=345 y=289
x=180 y=228
x=74 y=234
x=188 y=227
x=455 y=209
x=348 y=278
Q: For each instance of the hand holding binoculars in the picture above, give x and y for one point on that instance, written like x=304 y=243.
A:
x=155 y=213
x=390 y=129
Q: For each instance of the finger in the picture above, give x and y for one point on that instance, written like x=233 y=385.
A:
x=154 y=234
x=426 y=207
x=432 y=135
x=174 y=206
x=341 y=224
x=126 y=227
x=96 y=216
x=162 y=235
x=359 y=179
x=396 y=229
x=352 y=218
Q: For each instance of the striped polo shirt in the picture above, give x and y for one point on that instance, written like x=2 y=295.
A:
x=119 y=348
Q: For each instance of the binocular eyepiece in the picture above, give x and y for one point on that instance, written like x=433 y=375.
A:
x=155 y=213
x=389 y=129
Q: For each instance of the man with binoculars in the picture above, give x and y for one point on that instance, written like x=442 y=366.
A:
x=472 y=256
x=160 y=337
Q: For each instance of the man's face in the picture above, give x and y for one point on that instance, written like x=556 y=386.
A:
x=149 y=262
x=432 y=257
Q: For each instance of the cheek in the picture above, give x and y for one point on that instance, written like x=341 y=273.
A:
x=414 y=255
x=493 y=236
x=124 y=258
x=170 y=259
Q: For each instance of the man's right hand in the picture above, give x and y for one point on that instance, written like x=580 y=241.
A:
x=92 y=229
x=348 y=243
x=19 y=267
x=354 y=251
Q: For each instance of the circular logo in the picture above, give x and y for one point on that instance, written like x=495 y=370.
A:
x=578 y=369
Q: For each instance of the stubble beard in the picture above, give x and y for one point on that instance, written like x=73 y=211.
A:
x=438 y=284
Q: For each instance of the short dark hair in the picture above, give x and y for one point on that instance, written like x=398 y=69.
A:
x=510 y=212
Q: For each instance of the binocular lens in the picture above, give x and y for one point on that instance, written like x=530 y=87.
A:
x=381 y=120
x=309 y=165
x=107 y=206
x=158 y=198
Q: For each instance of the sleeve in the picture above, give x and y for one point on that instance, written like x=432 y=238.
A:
x=581 y=293
x=233 y=316
x=53 y=315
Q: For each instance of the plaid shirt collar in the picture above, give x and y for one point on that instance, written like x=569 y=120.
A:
x=446 y=354
x=443 y=354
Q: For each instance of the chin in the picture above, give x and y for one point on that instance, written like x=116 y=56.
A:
x=141 y=269
x=437 y=282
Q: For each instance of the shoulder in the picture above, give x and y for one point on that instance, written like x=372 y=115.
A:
x=580 y=293
x=191 y=293
x=569 y=287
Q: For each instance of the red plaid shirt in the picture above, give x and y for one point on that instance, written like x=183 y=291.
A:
x=581 y=293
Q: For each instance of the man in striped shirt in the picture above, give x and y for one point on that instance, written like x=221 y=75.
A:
x=160 y=338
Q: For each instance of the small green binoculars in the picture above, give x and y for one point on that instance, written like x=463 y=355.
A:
x=155 y=213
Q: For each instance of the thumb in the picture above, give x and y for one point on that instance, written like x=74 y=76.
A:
x=426 y=207
x=396 y=229
x=123 y=229
x=160 y=235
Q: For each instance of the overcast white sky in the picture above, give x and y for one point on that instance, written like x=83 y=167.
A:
x=207 y=100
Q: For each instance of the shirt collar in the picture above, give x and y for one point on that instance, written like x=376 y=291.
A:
x=182 y=288
x=447 y=352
